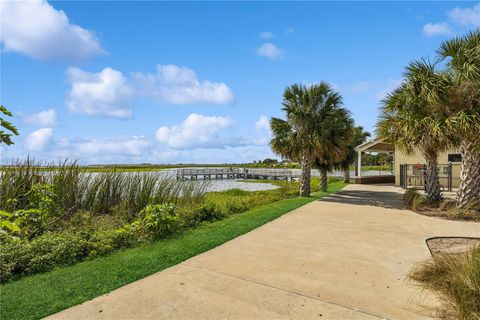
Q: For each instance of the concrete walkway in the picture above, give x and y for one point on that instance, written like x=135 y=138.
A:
x=343 y=257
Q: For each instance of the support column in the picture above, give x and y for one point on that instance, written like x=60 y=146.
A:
x=359 y=164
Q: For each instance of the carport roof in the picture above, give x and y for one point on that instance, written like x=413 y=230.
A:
x=375 y=145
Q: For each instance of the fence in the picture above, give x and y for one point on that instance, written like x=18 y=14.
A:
x=412 y=176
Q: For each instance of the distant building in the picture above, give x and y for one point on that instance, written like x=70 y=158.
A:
x=410 y=166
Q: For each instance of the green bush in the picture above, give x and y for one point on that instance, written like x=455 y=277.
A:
x=20 y=256
x=159 y=220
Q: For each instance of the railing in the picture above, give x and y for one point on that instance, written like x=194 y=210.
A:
x=414 y=175
x=233 y=173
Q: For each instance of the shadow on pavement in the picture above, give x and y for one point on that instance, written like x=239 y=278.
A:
x=384 y=199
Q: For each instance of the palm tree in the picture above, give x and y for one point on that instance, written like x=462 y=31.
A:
x=359 y=136
x=463 y=109
x=336 y=132
x=411 y=117
x=306 y=134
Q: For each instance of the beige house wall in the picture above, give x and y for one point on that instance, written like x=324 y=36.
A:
x=401 y=158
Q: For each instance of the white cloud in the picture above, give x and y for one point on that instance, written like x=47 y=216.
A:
x=469 y=17
x=195 y=131
x=179 y=85
x=38 y=140
x=123 y=146
x=105 y=93
x=437 y=29
x=263 y=123
x=269 y=50
x=47 y=118
x=266 y=35
x=264 y=135
x=37 y=30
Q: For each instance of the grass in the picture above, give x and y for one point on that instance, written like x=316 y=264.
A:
x=40 y=295
x=445 y=209
x=456 y=279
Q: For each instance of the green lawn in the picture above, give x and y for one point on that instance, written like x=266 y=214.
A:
x=40 y=295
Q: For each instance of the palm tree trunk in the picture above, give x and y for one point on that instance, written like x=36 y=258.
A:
x=469 y=188
x=432 y=182
x=346 y=174
x=305 y=177
x=323 y=180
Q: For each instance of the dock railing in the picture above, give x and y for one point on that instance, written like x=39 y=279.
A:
x=234 y=173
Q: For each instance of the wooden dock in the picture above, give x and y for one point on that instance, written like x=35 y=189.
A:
x=234 y=173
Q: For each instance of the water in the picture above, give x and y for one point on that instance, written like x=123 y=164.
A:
x=222 y=185
x=213 y=185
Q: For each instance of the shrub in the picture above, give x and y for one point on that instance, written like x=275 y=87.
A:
x=413 y=199
x=455 y=277
x=45 y=252
x=158 y=220
x=20 y=256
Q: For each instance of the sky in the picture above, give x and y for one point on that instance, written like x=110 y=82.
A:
x=197 y=82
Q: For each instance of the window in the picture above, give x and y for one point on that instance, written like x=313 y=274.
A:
x=454 y=157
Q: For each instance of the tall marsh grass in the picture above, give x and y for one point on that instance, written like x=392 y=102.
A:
x=75 y=189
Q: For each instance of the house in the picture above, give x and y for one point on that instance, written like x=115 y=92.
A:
x=408 y=170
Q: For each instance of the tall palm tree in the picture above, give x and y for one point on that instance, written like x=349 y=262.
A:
x=336 y=132
x=306 y=133
x=359 y=136
x=463 y=109
x=411 y=117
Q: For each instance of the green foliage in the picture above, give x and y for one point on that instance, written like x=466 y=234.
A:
x=6 y=137
x=52 y=249
x=455 y=277
x=8 y=224
x=159 y=220
x=317 y=128
x=20 y=257
x=34 y=218
x=315 y=121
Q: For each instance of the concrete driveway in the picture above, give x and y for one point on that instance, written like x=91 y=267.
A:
x=343 y=257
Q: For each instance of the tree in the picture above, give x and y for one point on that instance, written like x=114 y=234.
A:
x=335 y=134
x=463 y=109
x=306 y=134
x=6 y=127
x=358 y=137
x=411 y=117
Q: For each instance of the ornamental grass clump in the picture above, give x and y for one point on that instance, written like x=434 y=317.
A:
x=455 y=278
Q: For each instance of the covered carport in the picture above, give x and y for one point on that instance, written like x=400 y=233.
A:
x=374 y=146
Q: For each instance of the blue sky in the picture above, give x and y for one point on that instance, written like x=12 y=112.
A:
x=131 y=82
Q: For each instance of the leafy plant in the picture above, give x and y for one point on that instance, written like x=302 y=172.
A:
x=8 y=224
x=6 y=126
x=159 y=219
